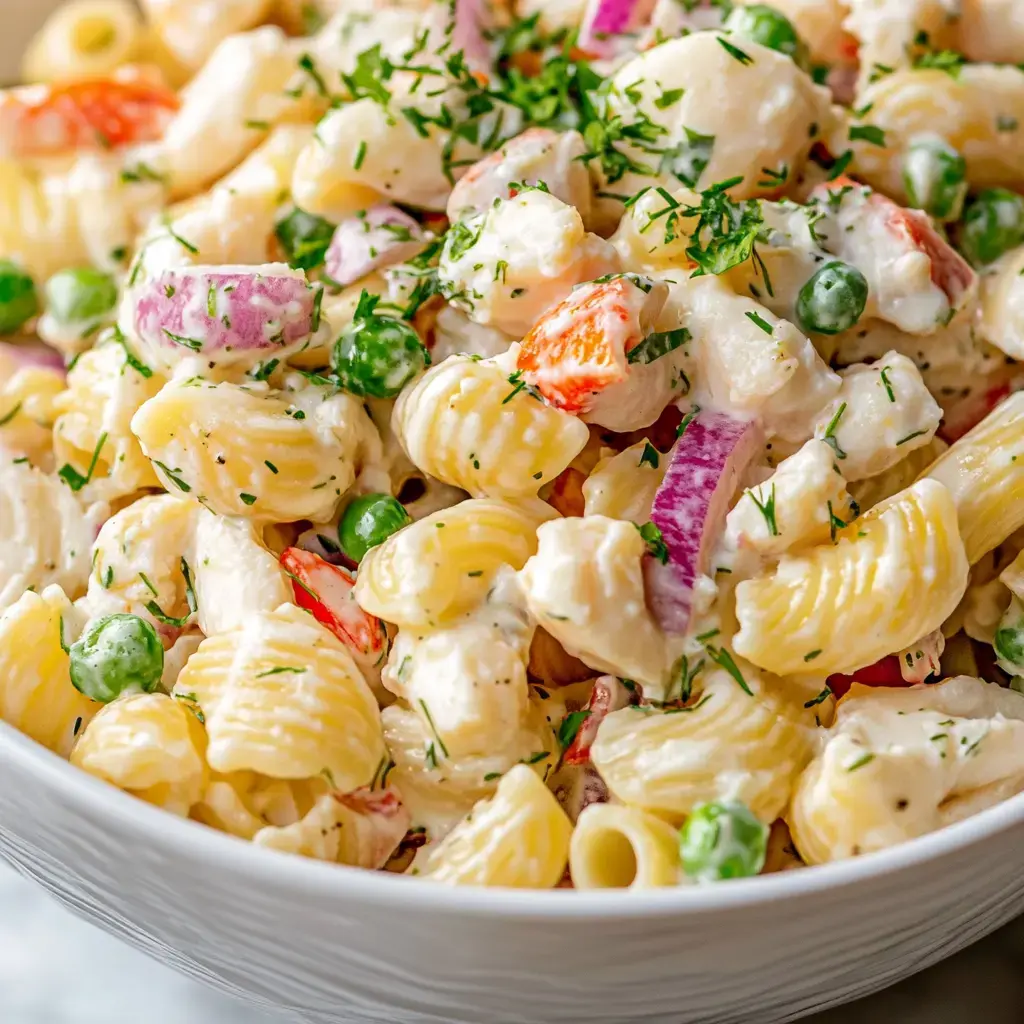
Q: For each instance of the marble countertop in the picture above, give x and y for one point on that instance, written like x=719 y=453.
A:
x=55 y=969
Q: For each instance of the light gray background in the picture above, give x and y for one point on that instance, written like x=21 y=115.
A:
x=54 y=969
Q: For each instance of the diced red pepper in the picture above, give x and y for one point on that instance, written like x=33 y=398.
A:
x=327 y=591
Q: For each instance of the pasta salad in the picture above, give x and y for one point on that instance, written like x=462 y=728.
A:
x=534 y=444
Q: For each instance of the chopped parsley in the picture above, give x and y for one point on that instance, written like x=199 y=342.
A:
x=870 y=133
x=860 y=762
x=760 y=321
x=829 y=437
x=735 y=52
x=75 y=480
x=570 y=726
x=174 y=476
x=657 y=344
x=887 y=384
x=649 y=456
x=820 y=699
x=652 y=537
x=767 y=509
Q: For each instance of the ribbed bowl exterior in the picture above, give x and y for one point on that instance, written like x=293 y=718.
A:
x=328 y=944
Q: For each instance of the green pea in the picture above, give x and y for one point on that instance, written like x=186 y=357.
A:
x=369 y=521
x=935 y=178
x=1009 y=639
x=18 y=301
x=80 y=295
x=722 y=840
x=304 y=238
x=993 y=223
x=833 y=299
x=378 y=356
x=765 y=25
x=118 y=654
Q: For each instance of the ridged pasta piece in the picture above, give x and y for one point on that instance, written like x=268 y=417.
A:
x=441 y=566
x=618 y=847
x=622 y=486
x=83 y=39
x=27 y=408
x=899 y=763
x=44 y=535
x=984 y=471
x=36 y=695
x=439 y=788
x=361 y=829
x=517 y=839
x=891 y=577
x=242 y=803
x=728 y=745
x=245 y=451
x=585 y=586
x=137 y=559
x=93 y=428
x=467 y=424
x=967 y=109
x=149 y=745
x=283 y=697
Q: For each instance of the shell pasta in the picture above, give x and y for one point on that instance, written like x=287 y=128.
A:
x=551 y=445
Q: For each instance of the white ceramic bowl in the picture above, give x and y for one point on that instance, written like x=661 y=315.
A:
x=330 y=944
x=333 y=944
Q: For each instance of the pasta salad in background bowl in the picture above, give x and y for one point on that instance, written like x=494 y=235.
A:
x=455 y=450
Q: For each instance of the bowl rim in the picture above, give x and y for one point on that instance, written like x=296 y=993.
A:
x=404 y=892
